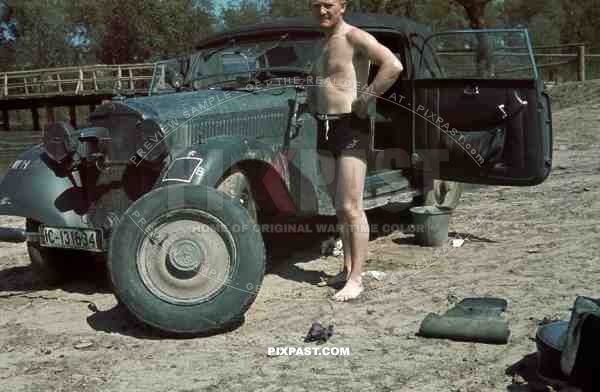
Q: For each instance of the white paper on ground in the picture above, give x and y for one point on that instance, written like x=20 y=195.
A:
x=457 y=242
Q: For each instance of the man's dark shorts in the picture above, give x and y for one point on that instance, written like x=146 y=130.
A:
x=348 y=134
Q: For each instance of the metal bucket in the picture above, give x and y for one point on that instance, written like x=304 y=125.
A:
x=431 y=225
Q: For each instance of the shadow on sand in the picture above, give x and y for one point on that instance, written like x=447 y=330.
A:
x=93 y=279
x=525 y=377
x=285 y=251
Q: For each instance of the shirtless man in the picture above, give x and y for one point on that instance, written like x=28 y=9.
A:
x=339 y=100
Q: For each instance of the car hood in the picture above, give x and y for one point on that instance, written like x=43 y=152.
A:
x=190 y=118
x=189 y=105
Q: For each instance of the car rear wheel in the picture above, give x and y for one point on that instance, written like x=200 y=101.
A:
x=186 y=260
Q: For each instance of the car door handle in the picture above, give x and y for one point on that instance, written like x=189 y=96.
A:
x=471 y=90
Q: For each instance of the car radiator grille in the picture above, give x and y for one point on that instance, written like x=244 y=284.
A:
x=251 y=124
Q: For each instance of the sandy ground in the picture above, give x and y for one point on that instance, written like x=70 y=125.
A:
x=537 y=247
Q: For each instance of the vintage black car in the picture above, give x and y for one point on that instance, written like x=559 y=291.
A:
x=170 y=189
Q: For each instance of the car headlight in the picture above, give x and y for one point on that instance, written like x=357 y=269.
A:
x=60 y=141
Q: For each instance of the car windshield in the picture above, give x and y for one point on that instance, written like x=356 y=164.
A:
x=224 y=65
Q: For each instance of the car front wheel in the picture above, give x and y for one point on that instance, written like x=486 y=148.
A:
x=186 y=259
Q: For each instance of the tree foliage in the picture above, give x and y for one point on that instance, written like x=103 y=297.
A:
x=475 y=10
x=581 y=20
x=47 y=33
x=41 y=34
x=285 y=8
x=69 y=32
x=142 y=30
x=245 y=12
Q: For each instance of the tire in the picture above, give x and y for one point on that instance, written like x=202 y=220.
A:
x=178 y=295
x=444 y=194
x=237 y=185
x=51 y=266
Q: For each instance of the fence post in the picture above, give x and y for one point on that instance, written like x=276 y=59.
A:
x=59 y=82
x=49 y=115
x=581 y=63
x=95 y=79
x=131 y=86
x=73 y=115
x=36 y=119
x=6 y=120
x=79 y=88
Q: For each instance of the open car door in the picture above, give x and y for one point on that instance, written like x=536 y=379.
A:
x=479 y=114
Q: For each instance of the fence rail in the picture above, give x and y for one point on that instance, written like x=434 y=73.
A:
x=581 y=59
x=73 y=81
x=136 y=78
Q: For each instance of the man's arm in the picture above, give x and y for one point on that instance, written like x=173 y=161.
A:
x=389 y=65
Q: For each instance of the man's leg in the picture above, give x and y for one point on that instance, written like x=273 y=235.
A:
x=350 y=182
x=329 y=170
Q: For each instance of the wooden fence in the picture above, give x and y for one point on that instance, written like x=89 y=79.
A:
x=579 y=58
x=76 y=81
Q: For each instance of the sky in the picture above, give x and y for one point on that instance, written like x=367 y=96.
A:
x=219 y=5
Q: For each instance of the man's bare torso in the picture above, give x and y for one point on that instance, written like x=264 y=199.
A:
x=338 y=72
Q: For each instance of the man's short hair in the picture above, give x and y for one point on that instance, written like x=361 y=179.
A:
x=343 y=2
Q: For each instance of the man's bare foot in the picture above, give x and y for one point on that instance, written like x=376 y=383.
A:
x=334 y=281
x=351 y=290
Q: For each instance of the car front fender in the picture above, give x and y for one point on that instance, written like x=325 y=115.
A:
x=33 y=190
x=205 y=164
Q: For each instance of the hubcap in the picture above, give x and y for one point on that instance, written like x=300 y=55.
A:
x=186 y=258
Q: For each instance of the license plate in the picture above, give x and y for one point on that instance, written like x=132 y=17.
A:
x=85 y=239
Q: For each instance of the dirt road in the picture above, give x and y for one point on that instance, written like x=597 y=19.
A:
x=537 y=247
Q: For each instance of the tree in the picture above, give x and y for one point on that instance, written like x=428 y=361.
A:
x=41 y=34
x=123 y=31
x=7 y=37
x=581 y=22
x=244 y=13
x=441 y=15
x=285 y=8
x=475 y=10
x=544 y=19
x=5 y=12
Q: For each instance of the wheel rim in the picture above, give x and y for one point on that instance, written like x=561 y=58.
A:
x=186 y=257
